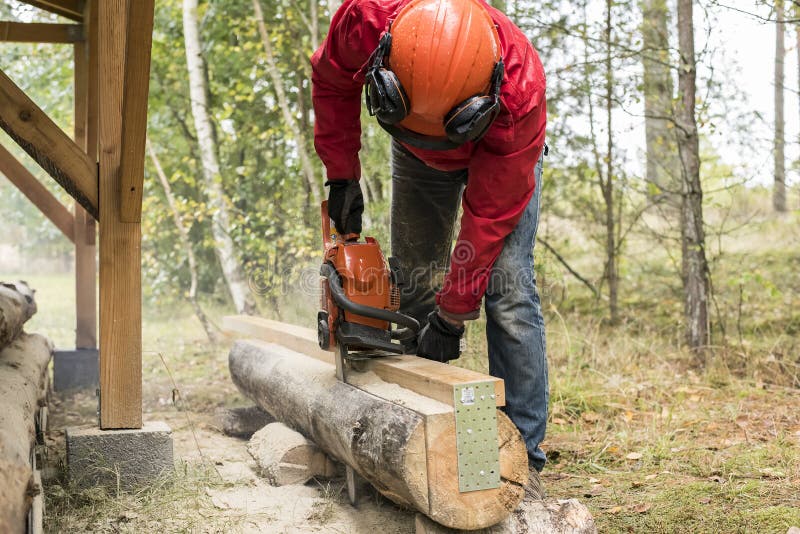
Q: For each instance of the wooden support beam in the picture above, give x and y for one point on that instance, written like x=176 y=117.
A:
x=432 y=379
x=71 y=9
x=85 y=228
x=120 y=243
x=38 y=194
x=47 y=144
x=134 y=108
x=35 y=32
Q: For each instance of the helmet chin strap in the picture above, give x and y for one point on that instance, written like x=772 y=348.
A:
x=426 y=142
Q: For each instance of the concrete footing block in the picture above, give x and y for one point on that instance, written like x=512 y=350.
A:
x=76 y=369
x=119 y=459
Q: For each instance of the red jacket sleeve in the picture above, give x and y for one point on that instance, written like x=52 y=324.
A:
x=336 y=86
x=500 y=185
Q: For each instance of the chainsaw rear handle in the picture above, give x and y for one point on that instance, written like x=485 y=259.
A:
x=411 y=325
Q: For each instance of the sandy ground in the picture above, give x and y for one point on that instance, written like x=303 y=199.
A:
x=238 y=500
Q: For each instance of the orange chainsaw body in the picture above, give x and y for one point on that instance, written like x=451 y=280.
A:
x=365 y=278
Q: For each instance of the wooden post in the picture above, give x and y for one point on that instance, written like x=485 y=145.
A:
x=134 y=108
x=85 y=229
x=120 y=243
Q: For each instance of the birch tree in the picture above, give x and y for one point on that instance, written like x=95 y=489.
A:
x=198 y=93
x=186 y=244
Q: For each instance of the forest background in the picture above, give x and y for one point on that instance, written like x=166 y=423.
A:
x=668 y=256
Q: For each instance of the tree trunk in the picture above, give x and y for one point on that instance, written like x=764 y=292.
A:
x=663 y=169
x=401 y=442
x=779 y=191
x=220 y=218
x=313 y=15
x=16 y=307
x=286 y=110
x=612 y=260
x=23 y=388
x=183 y=236
x=693 y=247
x=550 y=516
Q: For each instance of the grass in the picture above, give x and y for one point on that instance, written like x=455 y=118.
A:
x=171 y=504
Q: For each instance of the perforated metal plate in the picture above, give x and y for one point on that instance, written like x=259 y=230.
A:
x=476 y=436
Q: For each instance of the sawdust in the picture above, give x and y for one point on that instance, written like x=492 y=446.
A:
x=259 y=507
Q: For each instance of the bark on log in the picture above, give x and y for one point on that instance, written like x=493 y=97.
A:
x=23 y=387
x=399 y=441
x=285 y=457
x=550 y=516
x=16 y=307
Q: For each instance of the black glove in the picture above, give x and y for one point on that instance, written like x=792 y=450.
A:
x=439 y=340
x=345 y=205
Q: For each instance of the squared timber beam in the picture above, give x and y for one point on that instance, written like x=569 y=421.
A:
x=426 y=377
x=71 y=9
x=48 y=145
x=85 y=228
x=120 y=242
x=38 y=194
x=34 y=32
x=134 y=108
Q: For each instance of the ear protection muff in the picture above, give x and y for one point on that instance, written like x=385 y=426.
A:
x=385 y=96
x=470 y=120
x=388 y=102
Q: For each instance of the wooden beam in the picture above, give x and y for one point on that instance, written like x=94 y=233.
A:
x=47 y=144
x=38 y=194
x=134 y=108
x=432 y=379
x=35 y=32
x=85 y=229
x=120 y=243
x=71 y=9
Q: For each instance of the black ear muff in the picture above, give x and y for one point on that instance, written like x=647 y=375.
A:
x=469 y=120
x=385 y=96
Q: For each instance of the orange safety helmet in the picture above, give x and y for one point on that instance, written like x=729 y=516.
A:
x=443 y=76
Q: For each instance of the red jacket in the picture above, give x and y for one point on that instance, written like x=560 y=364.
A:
x=500 y=165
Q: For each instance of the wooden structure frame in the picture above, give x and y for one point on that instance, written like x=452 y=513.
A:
x=102 y=167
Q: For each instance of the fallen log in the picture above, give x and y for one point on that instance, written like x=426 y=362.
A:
x=550 y=516
x=426 y=377
x=285 y=457
x=23 y=388
x=400 y=441
x=17 y=305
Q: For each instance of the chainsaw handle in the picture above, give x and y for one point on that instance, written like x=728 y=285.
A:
x=341 y=299
x=328 y=230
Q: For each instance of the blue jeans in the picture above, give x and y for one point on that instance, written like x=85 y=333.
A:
x=424 y=210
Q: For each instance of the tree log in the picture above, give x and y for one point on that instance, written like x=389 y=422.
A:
x=23 y=388
x=550 y=516
x=16 y=307
x=401 y=442
x=286 y=457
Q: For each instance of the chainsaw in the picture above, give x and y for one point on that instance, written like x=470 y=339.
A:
x=359 y=299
